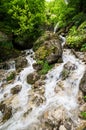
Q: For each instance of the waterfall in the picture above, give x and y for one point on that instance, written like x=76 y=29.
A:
x=66 y=96
x=56 y=27
x=66 y=2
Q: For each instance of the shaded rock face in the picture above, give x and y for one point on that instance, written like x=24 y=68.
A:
x=21 y=42
x=20 y=63
x=3 y=37
x=16 y=89
x=83 y=83
x=51 y=51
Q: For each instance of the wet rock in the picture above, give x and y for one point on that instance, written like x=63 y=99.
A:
x=2 y=107
x=83 y=107
x=16 y=89
x=82 y=126
x=32 y=78
x=11 y=75
x=80 y=98
x=65 y=74
x=37 y=100
x=68 y=124
x=7 y=114
x=27 y=112
x=38 y=83
x=82 y=85
x=7 y=111
x=5 y=95
x=54 y=117
x=37 y=66
x=62 y=127
x=20 y=63
x=2 y=75
x=81 y=56
x=70 y=66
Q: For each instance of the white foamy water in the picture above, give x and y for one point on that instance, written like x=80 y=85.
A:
x=67 y=97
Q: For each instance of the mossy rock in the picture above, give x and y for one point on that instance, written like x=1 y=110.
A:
x=7 y=114
x=50 y=51
x=44 y=37
x=11 y=75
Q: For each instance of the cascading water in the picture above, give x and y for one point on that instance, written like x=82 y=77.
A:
x=66 y=97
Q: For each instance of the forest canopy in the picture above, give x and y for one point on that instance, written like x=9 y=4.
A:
x=23 y=21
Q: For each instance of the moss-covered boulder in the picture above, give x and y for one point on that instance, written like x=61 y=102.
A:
x=50 y=51
x=47 y=35
x=11 y=76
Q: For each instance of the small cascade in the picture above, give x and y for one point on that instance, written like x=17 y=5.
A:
x=63 y=40
x=66 y=2
x=56 y=27
x=59 y=91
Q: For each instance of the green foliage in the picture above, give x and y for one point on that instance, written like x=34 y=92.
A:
x=24 y=18
x=6 y=45
x=84 y=98
x=11 y=76
x=28 y=17
x=58 y=11
x=83 y=114
x=45 y=67
x=77 y=37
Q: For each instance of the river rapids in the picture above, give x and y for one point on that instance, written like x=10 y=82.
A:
x=66 y=95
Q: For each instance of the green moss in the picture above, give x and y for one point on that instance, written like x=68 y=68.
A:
x=45 y=68
x=83 y=114
x=41 y=53
x=11 y=76
x=65 y=74
x=40 y=41
x=84 y=98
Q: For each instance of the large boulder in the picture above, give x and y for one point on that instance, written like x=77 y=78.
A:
x=46 y=36
x=50 y=51
x=83 y=83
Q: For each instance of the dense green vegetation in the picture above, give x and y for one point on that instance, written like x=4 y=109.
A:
x=71 y=18
x=23 y=21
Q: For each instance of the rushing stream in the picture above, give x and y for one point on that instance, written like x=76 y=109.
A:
x=66 y=96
